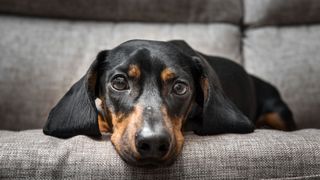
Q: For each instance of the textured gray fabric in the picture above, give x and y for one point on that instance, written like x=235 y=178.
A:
x=130 y=10
x=262 y=154
x=283 y=12
x=290 y=59
x=41 y=59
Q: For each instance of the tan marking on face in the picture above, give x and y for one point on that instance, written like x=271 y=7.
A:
x=174 y=126
x=102 y=121
x=167 y=74
x=134 y=71
x=119 y=127
x=273 y=120
x=124 y=130
x=205 y=87
x=103 y=125
x=135 y=124
x=177 y=129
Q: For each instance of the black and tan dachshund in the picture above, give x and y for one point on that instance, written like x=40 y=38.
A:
x=152 y=91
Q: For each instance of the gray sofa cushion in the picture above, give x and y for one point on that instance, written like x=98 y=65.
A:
x=40 y=59
x=290 y=59
x=262 y=154
x=283 y=12
x=130 y=10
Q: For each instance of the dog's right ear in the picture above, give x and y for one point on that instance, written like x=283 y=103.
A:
x=219 y=114
x=76 y=112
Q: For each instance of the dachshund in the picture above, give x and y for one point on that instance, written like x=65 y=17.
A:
x=146 y=94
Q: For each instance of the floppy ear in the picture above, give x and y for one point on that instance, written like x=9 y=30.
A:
x=76 y=112
x=218 y=113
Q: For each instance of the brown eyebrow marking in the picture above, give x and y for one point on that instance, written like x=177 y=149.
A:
x=134 y=71
x=167 y=74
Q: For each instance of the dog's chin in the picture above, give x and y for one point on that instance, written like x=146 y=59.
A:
x=147 y=162
x=150 y=162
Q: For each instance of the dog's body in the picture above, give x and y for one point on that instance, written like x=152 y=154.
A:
x=150 y=91
x=255 y=98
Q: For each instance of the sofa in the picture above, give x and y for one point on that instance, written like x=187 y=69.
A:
x=41 y=40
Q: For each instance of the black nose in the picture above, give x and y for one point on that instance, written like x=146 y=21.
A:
x=152 y=144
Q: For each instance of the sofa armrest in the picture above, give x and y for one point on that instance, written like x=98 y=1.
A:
x=262 y=154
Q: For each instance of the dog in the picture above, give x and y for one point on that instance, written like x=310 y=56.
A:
x=147 y=93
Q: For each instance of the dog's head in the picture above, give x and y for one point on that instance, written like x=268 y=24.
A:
x=147 y=90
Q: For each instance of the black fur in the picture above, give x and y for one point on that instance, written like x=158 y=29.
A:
x=76 y=112
x=235 y=99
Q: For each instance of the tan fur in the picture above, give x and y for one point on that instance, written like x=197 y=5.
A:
x=174 y=125
x=134 y=71
x=205 y=87
x=124 y=130
x=133 y=126
x=102 y=122
x=273 y=120
x=167 y=74
x=119 y=126
x=103 y=125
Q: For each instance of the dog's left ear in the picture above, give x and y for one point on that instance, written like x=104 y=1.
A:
x=218 y=114
x=76 y=112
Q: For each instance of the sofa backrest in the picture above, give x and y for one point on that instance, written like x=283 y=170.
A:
x=279 y=13
x=282 y=45
x=41 y=58
x=205 y=11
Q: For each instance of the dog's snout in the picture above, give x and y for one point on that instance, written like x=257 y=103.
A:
x=152 y=144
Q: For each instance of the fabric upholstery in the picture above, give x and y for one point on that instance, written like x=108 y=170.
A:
x=40 y=59
x=130 y=10
x=290 y=59
x=284 y=12
x=262 y=154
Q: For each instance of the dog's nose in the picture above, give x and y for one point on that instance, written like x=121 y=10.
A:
x=152 y=144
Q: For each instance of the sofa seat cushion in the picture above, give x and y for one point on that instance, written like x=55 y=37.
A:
x=262 y=154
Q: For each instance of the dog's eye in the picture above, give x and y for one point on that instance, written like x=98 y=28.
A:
x=180 y=88
x=120 y=83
